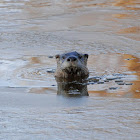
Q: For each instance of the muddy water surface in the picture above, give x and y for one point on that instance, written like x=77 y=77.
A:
x=32 y=32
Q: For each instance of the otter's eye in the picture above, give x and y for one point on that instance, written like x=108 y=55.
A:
x=86 y=55
x=80 y=57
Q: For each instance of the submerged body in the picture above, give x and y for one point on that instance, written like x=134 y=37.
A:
x=72 y=65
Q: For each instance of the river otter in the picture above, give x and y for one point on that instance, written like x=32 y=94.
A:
x=72 y=65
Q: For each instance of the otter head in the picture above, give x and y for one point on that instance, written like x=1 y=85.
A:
x=72 y=64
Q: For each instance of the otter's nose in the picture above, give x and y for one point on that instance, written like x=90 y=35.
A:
x=71 y=59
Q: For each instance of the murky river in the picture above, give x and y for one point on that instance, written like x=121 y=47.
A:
x=32 y=105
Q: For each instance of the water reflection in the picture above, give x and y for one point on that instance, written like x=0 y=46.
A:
x=128 y=4
x=133 y=64
x=83 y=15
x=71 y=88
x=134 y=30
x=121 y=16
x=126 y=83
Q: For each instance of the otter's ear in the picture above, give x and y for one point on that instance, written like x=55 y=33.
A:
x=57 y=56
x=86 y=56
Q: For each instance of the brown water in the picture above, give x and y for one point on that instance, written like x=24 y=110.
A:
x=32 y=31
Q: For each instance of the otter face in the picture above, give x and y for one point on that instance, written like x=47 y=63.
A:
x=72 y=63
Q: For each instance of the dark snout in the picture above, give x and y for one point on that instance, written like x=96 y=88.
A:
x=71 y=59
